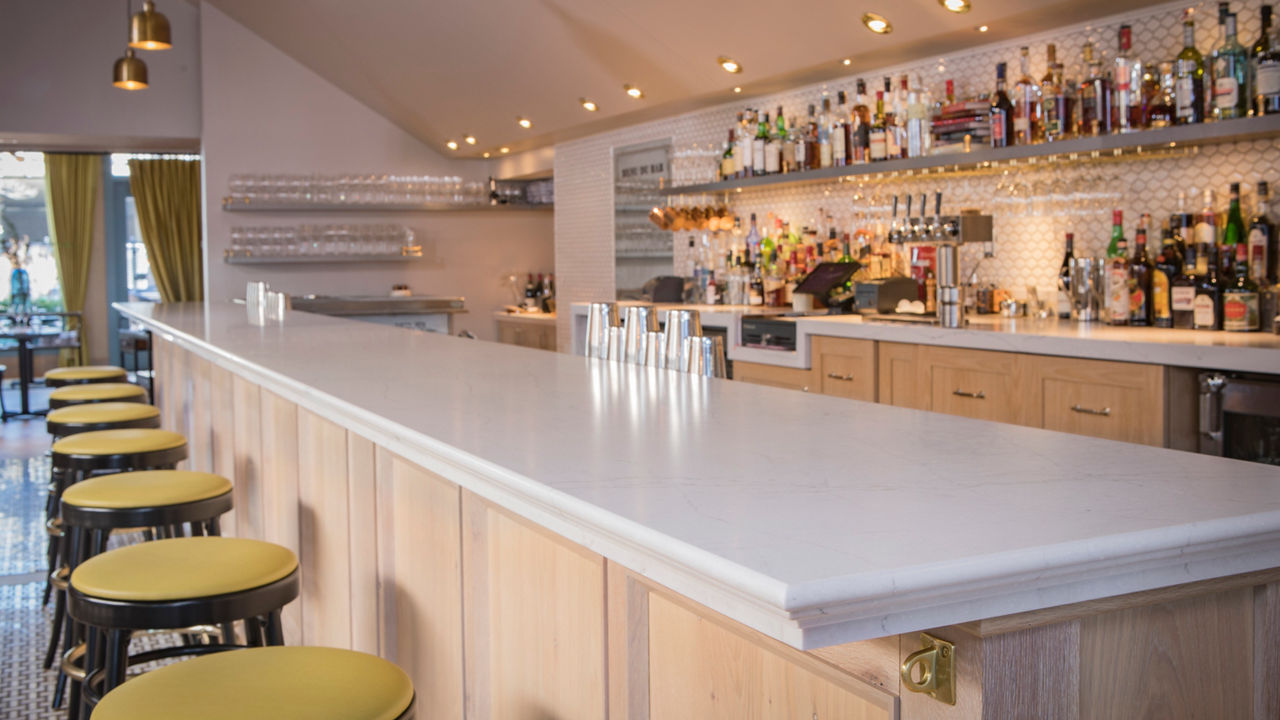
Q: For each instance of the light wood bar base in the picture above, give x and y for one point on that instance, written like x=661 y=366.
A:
x=495 y=617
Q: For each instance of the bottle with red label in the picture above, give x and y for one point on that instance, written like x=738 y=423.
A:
x=1240 y=297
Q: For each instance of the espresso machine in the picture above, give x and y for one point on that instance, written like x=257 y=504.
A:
x=947 y=233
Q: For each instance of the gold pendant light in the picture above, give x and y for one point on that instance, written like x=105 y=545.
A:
x=130 y=73
x=149 y=30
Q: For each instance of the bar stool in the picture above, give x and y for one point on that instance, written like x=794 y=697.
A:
x=95 y=393
x=273 y=683
x=90 y=417
x=173 y=502
x=84 y=375
x=174 y=584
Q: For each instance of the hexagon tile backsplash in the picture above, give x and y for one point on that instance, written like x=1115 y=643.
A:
x=1034 y=205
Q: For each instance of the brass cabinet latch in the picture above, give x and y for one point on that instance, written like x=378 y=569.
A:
x=937 y=663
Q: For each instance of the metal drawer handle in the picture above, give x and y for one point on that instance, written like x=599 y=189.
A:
x=1090 y=411
x=836 y=376
x=976 y=395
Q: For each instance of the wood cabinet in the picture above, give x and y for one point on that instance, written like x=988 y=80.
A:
x=844 y=367
x=978 y=384
x=781 y=377
x=1118 y=401
x=538 y=334
x=898 y=370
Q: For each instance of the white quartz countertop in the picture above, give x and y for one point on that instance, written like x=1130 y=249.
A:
x=1238 y=352
x=815 y=520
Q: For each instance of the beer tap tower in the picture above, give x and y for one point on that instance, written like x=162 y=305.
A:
x=947 y=233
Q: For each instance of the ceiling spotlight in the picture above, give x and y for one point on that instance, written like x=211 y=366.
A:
x=471 y=139
x=149 y=30
x=485 y=156
x=504 y=150
x=633 y=91
x=877 y=24
x=588 y=105
x=452 y=145
x=729 y=64
x=955 y=6
x=737 y=89
x=983 y=28
x=846 y=62
x=524 y=122
x=129 y=72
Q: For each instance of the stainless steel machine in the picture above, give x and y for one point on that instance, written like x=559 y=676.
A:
x=947 y=233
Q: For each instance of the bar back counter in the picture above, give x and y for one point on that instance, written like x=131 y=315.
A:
x=537 y=535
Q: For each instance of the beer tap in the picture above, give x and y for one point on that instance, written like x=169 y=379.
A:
x=921 y=223
x=909 y=228
x=894 y=234
x=935 y=226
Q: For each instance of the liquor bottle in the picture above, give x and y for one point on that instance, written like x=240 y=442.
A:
x=812 y=154
x=1141 y=270
x=1257 y=51
x=878 y=143
x=1055 y=122
x=902 y=113
x=1002 y=133
x=1183 y=224
x=893 y=149
x=1095 y=98
x=1182 y=291
x=861 y=131
x=758 y=146
x=1230 y=76
x=1162 y=107
x=753 y=241
x=826 y=152
x=799 y=144
x=1168 y=266
x=1026 y=103
x=1118 y=285
x=1263 y=262
x=772 y=150
x=786 y=149
x=840 y=132
x=1122 y=83
x=727 y=168
x=1064 y=279
x=1188 y=72
x=746 y=132
x=1266 y=75
x=1208 y=301
x=1117 y=233
x=1240 y=298
x=1233 y=232
x=918 y=131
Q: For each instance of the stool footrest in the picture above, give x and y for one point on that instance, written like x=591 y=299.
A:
x=72 y=662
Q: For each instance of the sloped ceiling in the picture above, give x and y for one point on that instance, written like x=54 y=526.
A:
x=444 y=68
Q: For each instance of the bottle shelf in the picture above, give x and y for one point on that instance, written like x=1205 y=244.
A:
x=315 y=259
x=240 y=206
x=1084 y=148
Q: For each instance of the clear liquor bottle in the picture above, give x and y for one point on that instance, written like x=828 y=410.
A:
x=1122 y=83
x=1230 y=76
x=1026 y=103
x=1188 y=72
x=826 y=154
x=877 y=138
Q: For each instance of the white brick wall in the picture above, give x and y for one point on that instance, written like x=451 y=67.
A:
x=1029 y=240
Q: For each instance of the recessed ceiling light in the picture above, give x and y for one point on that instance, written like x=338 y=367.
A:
x=983 y=28
x=524 y=122
x=846 y=61
x=955 y=6
x=588 y=105
x=877 y=23
x=737 y=89
x=486 y=156
x=633 y=91
x=504 y=150
x=471 y=139
x=729 y=64
x=452 y=144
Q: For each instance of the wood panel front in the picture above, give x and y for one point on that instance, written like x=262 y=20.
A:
x=246 y=478
x=1113 y=400
x=222 y=446
x=898 y=376
x=324 y=532
x=978 y=384
x=419 y=585
x=773 y=376
x=278 y=460
x=535 y=620
x=844 y=367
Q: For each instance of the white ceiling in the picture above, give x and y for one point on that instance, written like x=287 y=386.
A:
x=444 y=68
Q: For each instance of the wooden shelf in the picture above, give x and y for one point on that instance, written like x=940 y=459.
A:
x=1224 y=131
x=313 y=259
x=236 y=206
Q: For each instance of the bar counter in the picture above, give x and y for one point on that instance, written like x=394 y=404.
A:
x=813 y=521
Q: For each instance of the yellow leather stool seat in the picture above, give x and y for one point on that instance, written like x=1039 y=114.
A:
x=146 y=489
x=276 y=683
x=97 y=392
x=119 y=442
x=106 y=412
x=182 y=568
x=85 y=373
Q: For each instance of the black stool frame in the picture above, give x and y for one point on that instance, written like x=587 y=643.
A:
x=60 y=430
x=55 y=403
x=59 y=382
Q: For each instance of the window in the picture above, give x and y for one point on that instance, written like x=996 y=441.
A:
x=24 y=230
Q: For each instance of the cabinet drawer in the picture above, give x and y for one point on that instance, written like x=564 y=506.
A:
x=975 y=383
x=1117 y=401
x=845 y=367
x=782 y=377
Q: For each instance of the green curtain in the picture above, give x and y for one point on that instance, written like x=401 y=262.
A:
x=71 y=184
x=167 y=195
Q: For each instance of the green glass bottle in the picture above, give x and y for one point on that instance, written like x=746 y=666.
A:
x=1117 y=234
x=1230 y=76
x=1233 y=232
x=1188 y=70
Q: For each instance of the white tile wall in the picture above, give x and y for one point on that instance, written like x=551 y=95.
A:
x=1029 y=239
